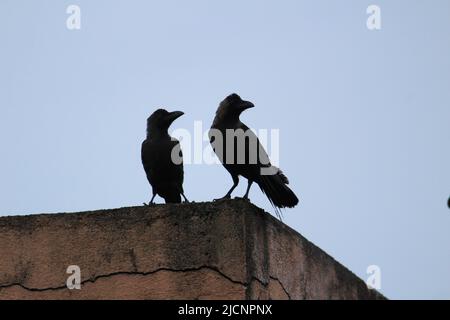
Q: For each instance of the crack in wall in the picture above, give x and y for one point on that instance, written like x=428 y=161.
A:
x=94 y=279
x=282 y=286
x=249 y=228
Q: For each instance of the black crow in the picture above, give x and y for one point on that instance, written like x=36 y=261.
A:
x=162 y=157
x=241 y=153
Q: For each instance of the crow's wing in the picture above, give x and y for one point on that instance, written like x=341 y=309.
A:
x=177 y=171
x=254 y=149
x=148 y=160
x=163 y=164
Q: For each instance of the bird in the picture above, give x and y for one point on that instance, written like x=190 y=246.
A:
x=248 y=157
x=162 y=158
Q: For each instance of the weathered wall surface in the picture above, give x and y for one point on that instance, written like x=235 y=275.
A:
x=224 y=250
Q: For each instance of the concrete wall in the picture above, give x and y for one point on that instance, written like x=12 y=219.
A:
x=224 y=250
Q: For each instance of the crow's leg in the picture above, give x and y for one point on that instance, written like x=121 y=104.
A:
x=250 y=182
x=151 y=201
x=245 y=197
x=185 y=199
x=228 y=195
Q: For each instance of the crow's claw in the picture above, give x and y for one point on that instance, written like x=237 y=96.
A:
x=223 y=198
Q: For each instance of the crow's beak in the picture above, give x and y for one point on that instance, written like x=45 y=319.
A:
x=247 y=105
x=172 y=116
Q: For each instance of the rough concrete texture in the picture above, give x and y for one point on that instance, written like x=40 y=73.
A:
x=223 y=250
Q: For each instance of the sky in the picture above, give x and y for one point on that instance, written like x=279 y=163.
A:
x=363 y=115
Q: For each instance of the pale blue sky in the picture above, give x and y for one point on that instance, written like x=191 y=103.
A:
x=363 y=115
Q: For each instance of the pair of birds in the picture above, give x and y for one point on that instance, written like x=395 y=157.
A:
x=166 y=175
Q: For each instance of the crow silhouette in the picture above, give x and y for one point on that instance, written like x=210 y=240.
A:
x=241 y=153
x=162 y=157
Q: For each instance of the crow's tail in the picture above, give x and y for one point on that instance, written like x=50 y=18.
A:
x=276 y=189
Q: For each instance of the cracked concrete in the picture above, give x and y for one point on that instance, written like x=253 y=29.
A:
x=17 y=289
x=222 y=250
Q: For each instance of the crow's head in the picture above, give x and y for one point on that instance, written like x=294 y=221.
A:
x=162 y=119
x=232 y=106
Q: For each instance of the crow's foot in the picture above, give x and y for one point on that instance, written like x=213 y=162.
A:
x=226 y=197
x=242 y=198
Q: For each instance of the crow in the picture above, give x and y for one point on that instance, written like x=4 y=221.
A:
x=241 y=153
x=162 y=157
